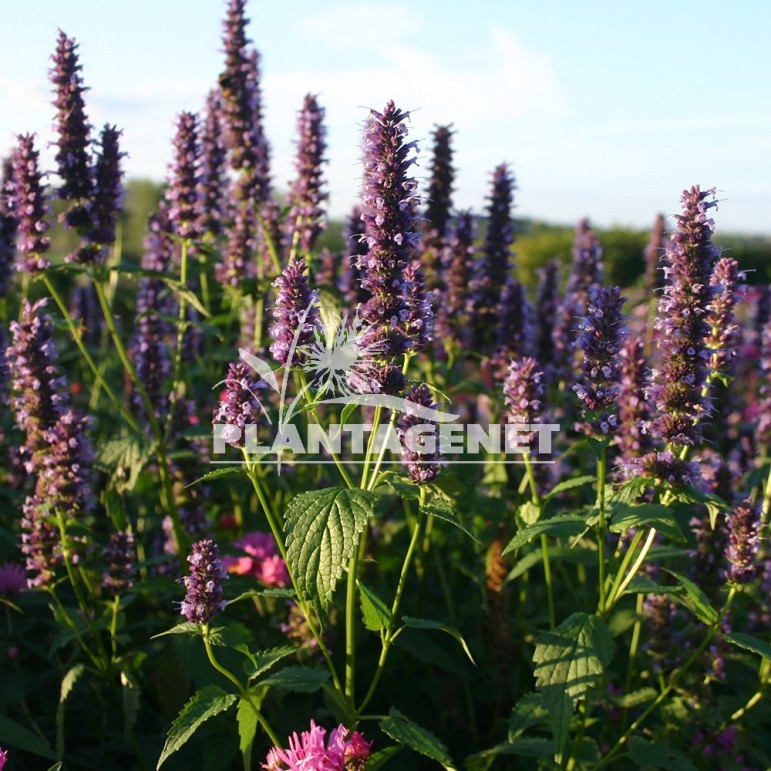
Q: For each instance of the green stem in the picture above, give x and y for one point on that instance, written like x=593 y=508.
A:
x=243 y=693
x=601 y=477
x=390 y=633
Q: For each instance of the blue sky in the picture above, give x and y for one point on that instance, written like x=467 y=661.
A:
x=604 y=109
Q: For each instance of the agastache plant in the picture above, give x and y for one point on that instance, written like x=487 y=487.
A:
x=8 y=227
x=677 y=386
x=184 y=203
x=547 y=305
x=439 y=203
x=523 y=391
x=457 y=273
x=212 y=182
x=743 y=543
x=724 y=331
x=108 y=188
x=356 y=247
x=633 y=409
x=304 y=221
x=203 y=586
x=420 y=448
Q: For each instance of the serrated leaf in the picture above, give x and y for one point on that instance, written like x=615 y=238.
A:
x=323 y=529
x=217 y=473
x=528 y=513
x=526 y=713
x=204 y=704
x=123 y=459
x=401 y=729
x=274 y=592
x=380 y=758
x=186 y=627
x=444 y=510
x=561 y=526
x=68 y=683
x=569 y=662
x=262 y=661
x=247 y=730
x=656 y=755
x=568 y=484
x=261 y=367
x=187 y=294
x=375 y=612
x=532 y=747
x=653 y=515
x=750 y=643
x=298 y=679
x=694 y=599
x=405 y=490
x=425 y=623
x=15 y=735
x=634 y=699
x=630 y=491
x=348 y=410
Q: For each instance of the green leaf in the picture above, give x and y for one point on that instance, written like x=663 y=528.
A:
x=526 y=713
x=204 y=704
x=532 y=747
x=378 y=759
x=694 y=599
x=348 y=410
x=219 y=472
x=561 y=526
x=634 y=699
x=186 y=627
x=247 y=730
x=130 y=697
x=750 y=643
x=298 y=679
x=569 y=662
x=323 y=529
x=15 y=735
x=262 y=661
x=374 y=611
x=425 y=623
x=654 y=515
x=630 y=491
x=444 y=510
x=275 y=592
x=568 y=484
x=68 y=683
x=656 y=755
x=597 y=446
x=401 y=729
x=187 y=294
x=404 y=489
x=123 y=459
x=528 y=514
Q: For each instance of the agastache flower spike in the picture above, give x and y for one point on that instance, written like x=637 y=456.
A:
x=356 y=248
x=439 y=203
x=305 y=219
x=388 y=209
x=108 y=188
x=419 y=324
x=632 y=407
x=420 y=449
x=27 y=204
x=764 y=400
x=240 y=406
x=119 y=556
x=183 y=195
x=212 y=181
x=296 y=314
x=601 y=333
x=677 y=384
x=547 y=306
x=240 y=249
x=73 y=156
x=514 y=335
x=743 y=543
x=523 y=391
x=724 y=332
x=8 y=227
x=203 y=587
x=493 y=269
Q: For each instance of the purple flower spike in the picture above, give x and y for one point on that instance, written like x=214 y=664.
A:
x=73 y=155
x=212 y=181
x=419 y=324
x=678 y=383
x=523 y=391
x=514 y=335
x=183 y=195
x=743 y=543
x=663 y=467
x=12 y=580
x=457 y=272
x=203 y=587
x=120 y=557
x=389 y=212
x=601 y=333
x=420 y=447
x=242 y=109
x=764 y=401
x=305 y=219
x=356 y=249
x=547 y=305
x=108 y=188
x=240 y=249
x=632 y=406
x=440 y=189
x=724 y=333
x=8 y=228
x=27 y=204
x=240 y=405
x=493 y=270
x=296 y=314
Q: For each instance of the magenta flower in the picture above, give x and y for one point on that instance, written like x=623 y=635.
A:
x=203 y=587
x=262 y=562
x=310 y=751
x=13 y=578
x=3 y=758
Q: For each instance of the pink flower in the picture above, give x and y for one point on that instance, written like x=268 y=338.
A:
x=3 y=758
x=262 y=562
x=13 y=579
x=308 y=752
